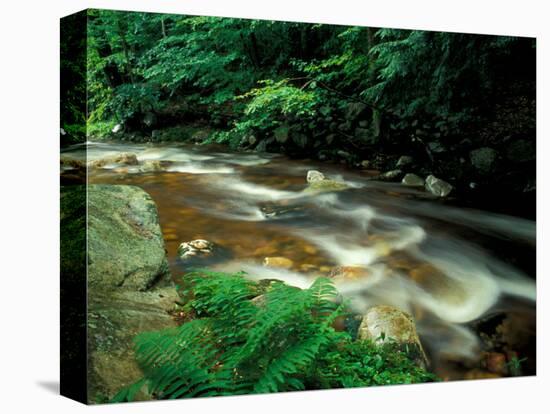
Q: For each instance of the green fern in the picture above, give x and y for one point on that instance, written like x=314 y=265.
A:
x=282 y=343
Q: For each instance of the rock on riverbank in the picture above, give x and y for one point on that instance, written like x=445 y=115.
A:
x=129 y=284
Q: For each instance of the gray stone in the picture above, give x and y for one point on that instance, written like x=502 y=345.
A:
x=195 y=248
x=404 y=160
x=125 y=243
x=325 y=185
x=383 y=324
x=126 y=257
x=393 y=175
x=437 y=186
x=412 y=180
x=484 y=159
x=313 y=176
x=115 y=317
x=151 y=166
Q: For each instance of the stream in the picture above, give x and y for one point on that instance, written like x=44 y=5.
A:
x=449 y=267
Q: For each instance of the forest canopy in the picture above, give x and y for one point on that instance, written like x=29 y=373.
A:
x=265 y=83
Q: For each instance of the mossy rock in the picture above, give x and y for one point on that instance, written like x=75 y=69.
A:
x=325 y=186
x=125 y=243
x=115 y=317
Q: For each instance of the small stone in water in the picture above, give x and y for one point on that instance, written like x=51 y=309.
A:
x=412 y=180
x=314 y=176
x=197 y=247
x=346 y=273
x=281 y=262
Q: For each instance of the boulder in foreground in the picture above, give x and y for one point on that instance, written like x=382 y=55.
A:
x=125 y=243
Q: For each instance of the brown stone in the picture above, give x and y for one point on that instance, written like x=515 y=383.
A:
x=280 y=262
x=496 y=363
x=384 y=324
x=348 y=273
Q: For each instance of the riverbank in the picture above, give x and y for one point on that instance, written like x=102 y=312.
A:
x=498 y=176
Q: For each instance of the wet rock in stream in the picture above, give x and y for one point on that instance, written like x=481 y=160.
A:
x=279 y=211
x=279 y=262
x=318 y=183
x=123 y=158
x=200 y=253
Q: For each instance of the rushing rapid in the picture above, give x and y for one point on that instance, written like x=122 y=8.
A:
x=447 y=266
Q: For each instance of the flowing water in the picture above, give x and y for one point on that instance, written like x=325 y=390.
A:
x=449 y=267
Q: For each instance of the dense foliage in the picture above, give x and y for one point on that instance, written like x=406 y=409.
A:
x=282 y=341
x=289 y=86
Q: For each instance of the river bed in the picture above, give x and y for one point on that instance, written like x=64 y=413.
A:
x=449 y=267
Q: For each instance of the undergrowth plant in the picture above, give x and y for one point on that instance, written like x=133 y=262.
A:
x=282 y=341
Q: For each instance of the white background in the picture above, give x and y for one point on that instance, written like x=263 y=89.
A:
x=29 y=281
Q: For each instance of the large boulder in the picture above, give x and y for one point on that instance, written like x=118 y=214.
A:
x=129 y=284
x=383 y=324
x=125 y=243
x=115 y=317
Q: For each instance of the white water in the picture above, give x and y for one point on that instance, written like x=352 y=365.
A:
x=367 y=227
